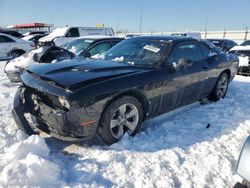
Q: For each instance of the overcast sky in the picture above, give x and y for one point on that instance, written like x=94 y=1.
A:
x=157 y=15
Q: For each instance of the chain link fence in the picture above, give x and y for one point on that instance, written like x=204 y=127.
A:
x=238 y=36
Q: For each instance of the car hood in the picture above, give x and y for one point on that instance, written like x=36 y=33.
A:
x=47 y=38
x=76 y=73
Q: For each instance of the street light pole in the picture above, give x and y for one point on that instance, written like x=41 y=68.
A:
x=141 y=19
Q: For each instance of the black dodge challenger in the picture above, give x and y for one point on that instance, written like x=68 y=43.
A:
x=139 y=78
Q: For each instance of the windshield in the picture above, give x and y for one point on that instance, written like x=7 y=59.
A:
x=78 y=45
x=246 y=43
x=58 y=32
x=139 y=51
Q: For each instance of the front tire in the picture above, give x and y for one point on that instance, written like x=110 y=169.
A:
x=220 y=89
x=123 y=115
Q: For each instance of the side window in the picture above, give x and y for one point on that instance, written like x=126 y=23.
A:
x=189 y=51
x=5 y=39
x=100 y=48
x=205 y=50
x=73 y=32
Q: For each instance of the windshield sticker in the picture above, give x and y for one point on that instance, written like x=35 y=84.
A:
x=88 y=41
x=151 y=48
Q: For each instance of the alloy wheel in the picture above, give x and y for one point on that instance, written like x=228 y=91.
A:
x=222 y=87
x=125 y=119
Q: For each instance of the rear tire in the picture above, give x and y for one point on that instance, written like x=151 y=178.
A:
x=124 y=114
x=220 y=89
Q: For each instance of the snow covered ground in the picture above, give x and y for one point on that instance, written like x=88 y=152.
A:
x=172 y=150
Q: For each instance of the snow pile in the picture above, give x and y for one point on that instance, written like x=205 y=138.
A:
x=177 y=149
x=26 y=163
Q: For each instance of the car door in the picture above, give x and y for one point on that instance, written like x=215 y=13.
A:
x=191 y=75
x=6 y=44
x=210 y=72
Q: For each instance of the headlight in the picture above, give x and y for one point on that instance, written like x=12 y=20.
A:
x=63 y=101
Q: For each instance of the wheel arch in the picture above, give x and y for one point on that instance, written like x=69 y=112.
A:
x=133 y=93
x=228 y=72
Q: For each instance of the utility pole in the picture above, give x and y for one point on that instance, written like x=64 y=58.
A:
x=141 y=19
x=206 y=29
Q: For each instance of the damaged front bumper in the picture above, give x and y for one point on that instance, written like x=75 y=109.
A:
x=67 y=125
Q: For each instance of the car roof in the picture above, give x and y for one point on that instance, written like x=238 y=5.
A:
x=95 y=37
x=221 y=39
x=167 y=37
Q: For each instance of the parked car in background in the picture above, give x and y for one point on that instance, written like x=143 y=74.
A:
x=34 y=38
x=139 y=78
x=11 y=47
x=85 y=47
x=196 y=35
x=11 y=32
x=243 y=166
x=62 y=36
x=44 y=54
x=34 y=32
x=132 y=35
x=243 y=52
x=246 y=43
x=89 y=46
x=223 y=44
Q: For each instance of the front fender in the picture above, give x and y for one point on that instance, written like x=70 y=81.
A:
x=243 y=166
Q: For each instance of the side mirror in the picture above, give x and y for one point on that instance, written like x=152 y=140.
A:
x=185 y=62
x=175 y=66
x=212 y=57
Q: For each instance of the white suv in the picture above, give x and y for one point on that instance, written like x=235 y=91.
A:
x=11 y=47
x=63 y=35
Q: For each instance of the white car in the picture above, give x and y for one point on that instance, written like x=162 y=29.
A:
x=62 y=36
x=44 y=54
x=243 y=53
x=11 y=47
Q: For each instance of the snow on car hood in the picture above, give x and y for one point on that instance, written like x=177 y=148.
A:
x=47 y=38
